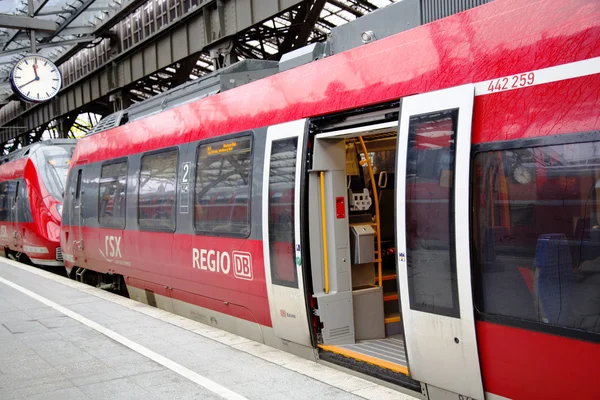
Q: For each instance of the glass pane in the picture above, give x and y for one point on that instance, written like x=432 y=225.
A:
x=156 y=201
x=222 y=200
x=111 y=210
x=431 y=258
x=4 y=202
x=282 y=174
x=536 y=235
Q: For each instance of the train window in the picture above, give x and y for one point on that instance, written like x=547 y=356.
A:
x=4 y=202
x=430 y=252
x=536 y=234
x=56 y=161
x=113 y=181
x=222 y=192
x=156 y=199
x=282 y=180
x=24 y=208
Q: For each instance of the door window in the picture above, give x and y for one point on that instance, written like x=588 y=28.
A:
x=113 y=180
x=282 y=181
x=430 y=252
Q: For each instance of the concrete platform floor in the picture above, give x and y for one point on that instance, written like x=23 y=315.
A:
x=60 y=339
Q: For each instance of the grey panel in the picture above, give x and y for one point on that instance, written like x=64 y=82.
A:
x=387 y=21
x=125 y=68
x=78 y=96
x=149 y=58
x=63 y=101
x=163 y=51
x=437 y=9
x=104 y=88
x=85 y=90
x=244 y=13
x=137 y=66
x=196 y=34
x=263 y=9
x=95 y=87
x=179 y=41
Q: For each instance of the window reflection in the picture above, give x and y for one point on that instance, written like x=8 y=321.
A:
x=537 y=234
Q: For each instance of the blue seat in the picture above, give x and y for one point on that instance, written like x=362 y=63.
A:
x=554 y=279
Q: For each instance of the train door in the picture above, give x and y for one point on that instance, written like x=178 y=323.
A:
x=281 y=231
x=433 y=250
x=76 y=219
x=17 y=228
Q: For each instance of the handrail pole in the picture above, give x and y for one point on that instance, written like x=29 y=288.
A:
x=324 y=229
x=376 y=197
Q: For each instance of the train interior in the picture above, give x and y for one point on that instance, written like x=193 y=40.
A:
x=370 y=165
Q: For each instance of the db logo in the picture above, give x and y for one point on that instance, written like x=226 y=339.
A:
x=282 y=313
x=242 y=263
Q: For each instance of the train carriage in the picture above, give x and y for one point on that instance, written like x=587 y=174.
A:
x=31 y=199
x=423 y=208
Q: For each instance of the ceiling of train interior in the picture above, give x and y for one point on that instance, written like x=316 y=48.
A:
x=114 y=53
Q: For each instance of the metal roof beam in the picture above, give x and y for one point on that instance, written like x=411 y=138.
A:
x=48 y=45
x=36 y=10
x=76 y=30
x=76 y=13
x=61 y=10
x=18 y=22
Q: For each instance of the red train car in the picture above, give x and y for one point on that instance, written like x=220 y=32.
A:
x=424 y=208
x=31 y=198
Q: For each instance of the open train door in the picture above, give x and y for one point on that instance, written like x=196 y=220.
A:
x=433 y=248
x=281 y=231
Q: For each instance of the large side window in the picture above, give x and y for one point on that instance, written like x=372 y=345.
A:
x=282 y=188
x=4 y=202
x=536 y=238
x=222 y=192
x=113 y=181
x=156 y=202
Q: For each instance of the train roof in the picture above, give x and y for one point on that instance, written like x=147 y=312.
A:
x=498 y=39
x=13 y=164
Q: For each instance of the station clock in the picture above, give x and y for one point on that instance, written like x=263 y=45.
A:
x=35 y=79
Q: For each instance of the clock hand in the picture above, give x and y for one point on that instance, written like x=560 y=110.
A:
x=25 y=84
x=35 y=71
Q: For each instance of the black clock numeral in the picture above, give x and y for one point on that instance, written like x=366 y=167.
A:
x=54 y=79
x=38 y=95
x=53 y=88
x=53 y=70
x=25 y=62
x=45 y=63
x=47 y=95
x=19 y=68
x=17 y=77
x=28 y=94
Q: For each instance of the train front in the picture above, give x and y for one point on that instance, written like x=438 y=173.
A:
x=45 y=177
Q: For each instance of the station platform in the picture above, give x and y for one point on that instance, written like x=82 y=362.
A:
x=61 y=339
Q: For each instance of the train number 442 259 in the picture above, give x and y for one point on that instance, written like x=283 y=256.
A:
x=511 y=82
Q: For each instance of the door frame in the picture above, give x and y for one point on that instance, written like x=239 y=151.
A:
x=442 y=350
x=287 y=305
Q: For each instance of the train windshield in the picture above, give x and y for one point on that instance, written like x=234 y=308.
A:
x=56 y=166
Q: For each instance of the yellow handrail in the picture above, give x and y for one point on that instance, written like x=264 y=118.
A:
x=376 y=198
x=324 y=228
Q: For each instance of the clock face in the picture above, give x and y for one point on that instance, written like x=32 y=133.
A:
x=35 y=79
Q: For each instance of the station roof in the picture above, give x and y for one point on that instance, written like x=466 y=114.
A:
x=77 y=20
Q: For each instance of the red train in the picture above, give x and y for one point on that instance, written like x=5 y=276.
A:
x=424 y=208
x=31 y=198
